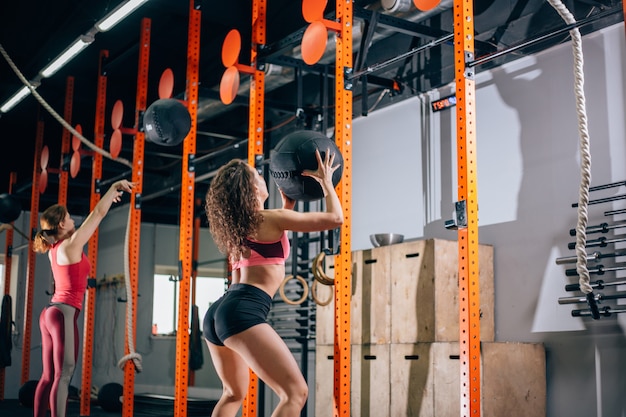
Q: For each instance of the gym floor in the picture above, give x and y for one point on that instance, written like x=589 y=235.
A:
x=145 y=406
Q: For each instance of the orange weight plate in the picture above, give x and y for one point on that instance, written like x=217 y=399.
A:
x=117 y=114
x=75 y=139
x=45 y=156
x=75 y=164
x=313 y=10
x=425 y=5
x=231 y=48
x=115 y=146
x=229 y=85
x=166 y=84
x=314 y=42
x=43 y=181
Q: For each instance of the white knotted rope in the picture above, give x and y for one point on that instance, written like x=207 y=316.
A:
x=132 y=355
x=585 y=153
x=55 y=115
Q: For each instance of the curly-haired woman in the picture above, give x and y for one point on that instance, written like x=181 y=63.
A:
x=255 y=240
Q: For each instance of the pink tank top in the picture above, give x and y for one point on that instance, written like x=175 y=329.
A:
x=70 y=281
x=265 y=253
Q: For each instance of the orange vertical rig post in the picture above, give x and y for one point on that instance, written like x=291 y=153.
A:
x=30 y=273
x=343 y=260
x=187 y=208
x=90 y=298
x=134 y=226
x=469 y=291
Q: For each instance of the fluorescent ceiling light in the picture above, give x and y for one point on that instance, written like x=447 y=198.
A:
x=17 y=97
x=73 y=50
x=118 y=14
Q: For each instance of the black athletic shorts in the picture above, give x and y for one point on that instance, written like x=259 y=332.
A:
x=241 y=307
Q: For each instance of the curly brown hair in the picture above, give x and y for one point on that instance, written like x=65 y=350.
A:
x=49 y=221
x=232 y=207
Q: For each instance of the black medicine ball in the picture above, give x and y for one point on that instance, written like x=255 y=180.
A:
x=26 y=393
x=10 y=208
x=166 y=122
x=109 y=397
x=295 y=153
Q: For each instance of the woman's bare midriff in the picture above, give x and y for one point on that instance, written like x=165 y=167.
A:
x=266 y=277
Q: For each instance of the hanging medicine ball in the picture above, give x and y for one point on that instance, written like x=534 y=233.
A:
x=109 y=397
x=295 y=153
x=10 y=208
x=26 y=394
x=166 y=122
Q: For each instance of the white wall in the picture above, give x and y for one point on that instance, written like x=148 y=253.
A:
x=528 y=178
x=386 y=171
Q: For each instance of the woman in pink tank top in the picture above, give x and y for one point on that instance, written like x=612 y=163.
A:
x=58 y=321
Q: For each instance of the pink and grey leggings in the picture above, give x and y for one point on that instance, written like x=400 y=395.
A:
x=59 y=352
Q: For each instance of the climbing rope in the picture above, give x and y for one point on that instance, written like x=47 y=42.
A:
x=55 y=115
x=585 y=158
x=132 y=355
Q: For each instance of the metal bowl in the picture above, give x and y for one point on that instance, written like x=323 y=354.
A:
x=384 y=239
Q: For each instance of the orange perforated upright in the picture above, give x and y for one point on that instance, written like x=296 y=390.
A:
x=343 y=260
x=8 y=254
x=256 y=133
x=469 y=291
x=135 y=209
x=256 y=113
x=65 y=140
x=187 y=206
x=92 y=249
x=30 y=272
x=194 y=271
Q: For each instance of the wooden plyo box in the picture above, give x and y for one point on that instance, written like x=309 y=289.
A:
x=408 y=293
x=513 y=379
x=425 y=291
x=370 y=388
x=423 y=379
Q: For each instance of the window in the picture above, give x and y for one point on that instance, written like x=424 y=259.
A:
x=209 y=287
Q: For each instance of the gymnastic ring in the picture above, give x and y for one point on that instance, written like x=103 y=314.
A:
x=318 y=271
x=305 y=287
x=317 y=300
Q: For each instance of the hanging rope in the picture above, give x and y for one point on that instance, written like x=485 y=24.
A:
x=55 y=115
x=132 y=355
x=585 y=159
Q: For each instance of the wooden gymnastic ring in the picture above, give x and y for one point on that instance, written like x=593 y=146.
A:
x=305 y=286
x=318 y=271
x=314 y=295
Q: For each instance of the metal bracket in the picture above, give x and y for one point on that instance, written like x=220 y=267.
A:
x=258 y=163
x=334 y=241
x=67 y=159
x=138 y=201
x=180 y=273
x=140 y=115
x=191 y=166
x=460 y=220
x=348 y=82
x=97 y=185
x=469 y=70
